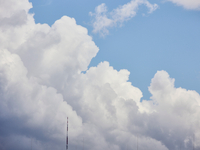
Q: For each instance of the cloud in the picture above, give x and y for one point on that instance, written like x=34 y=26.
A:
x=188 y=4
x=41 y=83
x=178 y=110
x=28 y=108
x=104 y=20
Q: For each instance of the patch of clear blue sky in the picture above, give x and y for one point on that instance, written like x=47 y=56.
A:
x=168 y=39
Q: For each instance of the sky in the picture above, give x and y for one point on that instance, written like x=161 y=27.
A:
x=126 y=73
x=167 y=39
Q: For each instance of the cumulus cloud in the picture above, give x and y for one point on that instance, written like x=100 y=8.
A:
x=104 y=20
x=188 y=4
x=178 y=109
x=41 y=83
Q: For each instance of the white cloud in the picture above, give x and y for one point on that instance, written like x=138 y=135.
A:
x=28 y=109
x=104 y=20
x=41 y=84
x=178 y=109
x=188 y=4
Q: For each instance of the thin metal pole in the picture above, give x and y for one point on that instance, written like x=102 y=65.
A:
x=67 y=136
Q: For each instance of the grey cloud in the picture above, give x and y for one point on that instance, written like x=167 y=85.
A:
x=17 y=19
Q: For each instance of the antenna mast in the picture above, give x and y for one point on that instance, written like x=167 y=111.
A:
x=83 y=143
x=67 y=136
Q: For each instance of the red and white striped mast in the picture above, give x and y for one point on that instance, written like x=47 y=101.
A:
x=67 y=136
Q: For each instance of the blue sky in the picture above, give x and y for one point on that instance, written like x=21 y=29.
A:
x=167 y=39
x=121 y=71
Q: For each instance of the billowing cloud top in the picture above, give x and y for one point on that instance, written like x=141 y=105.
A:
x=41 y=83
